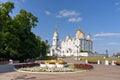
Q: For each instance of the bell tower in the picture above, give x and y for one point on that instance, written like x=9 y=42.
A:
x=55 y=41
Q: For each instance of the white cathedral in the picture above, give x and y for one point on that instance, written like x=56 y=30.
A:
x=76 y=46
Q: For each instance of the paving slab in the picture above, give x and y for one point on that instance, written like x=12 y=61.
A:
x=100 y=72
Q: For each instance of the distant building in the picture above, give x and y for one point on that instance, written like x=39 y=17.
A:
x=76 y=46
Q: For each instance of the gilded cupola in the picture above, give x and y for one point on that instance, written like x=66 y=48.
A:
x=88 y=37
x=67 y=37
x=79 y=34
x=55 y=33
x=79 y=31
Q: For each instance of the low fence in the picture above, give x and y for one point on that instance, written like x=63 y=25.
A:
x=4 y=62
x=106 y=62
x=8 y=62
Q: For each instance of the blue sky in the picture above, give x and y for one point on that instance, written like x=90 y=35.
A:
x=100 y=18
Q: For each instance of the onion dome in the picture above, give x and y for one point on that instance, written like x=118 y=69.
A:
x=88 y=37
x=79 y=31
x=55 y=33
x=79 y=34
x=67 y=37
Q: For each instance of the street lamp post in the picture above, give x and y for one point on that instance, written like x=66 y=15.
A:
x=106 y=53
x=77 y=53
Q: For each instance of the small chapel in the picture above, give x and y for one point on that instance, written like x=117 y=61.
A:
x=79 y=45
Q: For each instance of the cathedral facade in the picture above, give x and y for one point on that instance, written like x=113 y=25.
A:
x=79 y=45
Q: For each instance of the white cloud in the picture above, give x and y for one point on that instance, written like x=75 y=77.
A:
x=73 y=19
x=111 y=44
x=69 y=15
x=66 y=13
x=96 y=39
x=23 y=1
x=117 y=3
x=47 y=12
x=107 y=35
x=118 y=9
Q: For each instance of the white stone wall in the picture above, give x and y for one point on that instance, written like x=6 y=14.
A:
x=84 y=54
x=70 y=47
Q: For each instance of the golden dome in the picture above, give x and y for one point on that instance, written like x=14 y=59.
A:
x=79 y=32
x=88 y=37
x=55 y=33
x=67 y=37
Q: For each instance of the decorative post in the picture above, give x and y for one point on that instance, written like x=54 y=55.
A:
x=10 y=61
x=86 y=61
x=106 y=62
x=98 y=62
x=106 y=53
x=77 y=53
x=113 y=62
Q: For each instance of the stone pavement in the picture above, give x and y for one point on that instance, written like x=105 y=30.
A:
x=6 y=68
x=100 y=72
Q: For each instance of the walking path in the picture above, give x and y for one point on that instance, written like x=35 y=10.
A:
x=100 y=72
x=6 y=68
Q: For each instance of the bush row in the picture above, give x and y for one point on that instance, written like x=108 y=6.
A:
x=117 y=63
x=22 y=65
x=83 y=66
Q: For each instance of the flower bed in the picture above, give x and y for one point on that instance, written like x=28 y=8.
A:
x=40 y=69
x=83 y=66
x=53 y=63
x=42 y=62
x=117 y=63
x=52 y=66
x=61 y=64
x=22 y=65
x=70 y=68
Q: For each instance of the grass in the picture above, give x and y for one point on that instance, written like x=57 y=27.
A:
x=95 y=58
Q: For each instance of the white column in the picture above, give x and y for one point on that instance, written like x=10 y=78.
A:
x=106 y=62
x=86 y=61
x=91 y=45
x=10 y=61
x=113 y=62
x=98 y=62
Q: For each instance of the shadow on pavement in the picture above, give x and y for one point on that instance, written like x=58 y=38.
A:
x=6 y=68
x=24 y=77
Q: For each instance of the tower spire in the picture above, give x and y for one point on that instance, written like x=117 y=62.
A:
x=78 y=27
x=56 y=28
x=55 y=38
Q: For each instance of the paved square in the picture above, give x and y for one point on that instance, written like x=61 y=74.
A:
x=100 y=72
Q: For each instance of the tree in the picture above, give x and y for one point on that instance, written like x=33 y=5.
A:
x=118 y=54
x=5 y=32
x=24 y=21
x=16 y=39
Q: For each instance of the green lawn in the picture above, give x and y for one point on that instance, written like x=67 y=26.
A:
x=99 y=58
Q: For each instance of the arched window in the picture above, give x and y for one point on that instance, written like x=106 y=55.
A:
x=67 y=51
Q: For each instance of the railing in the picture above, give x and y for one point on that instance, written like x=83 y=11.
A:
x=4 y=62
